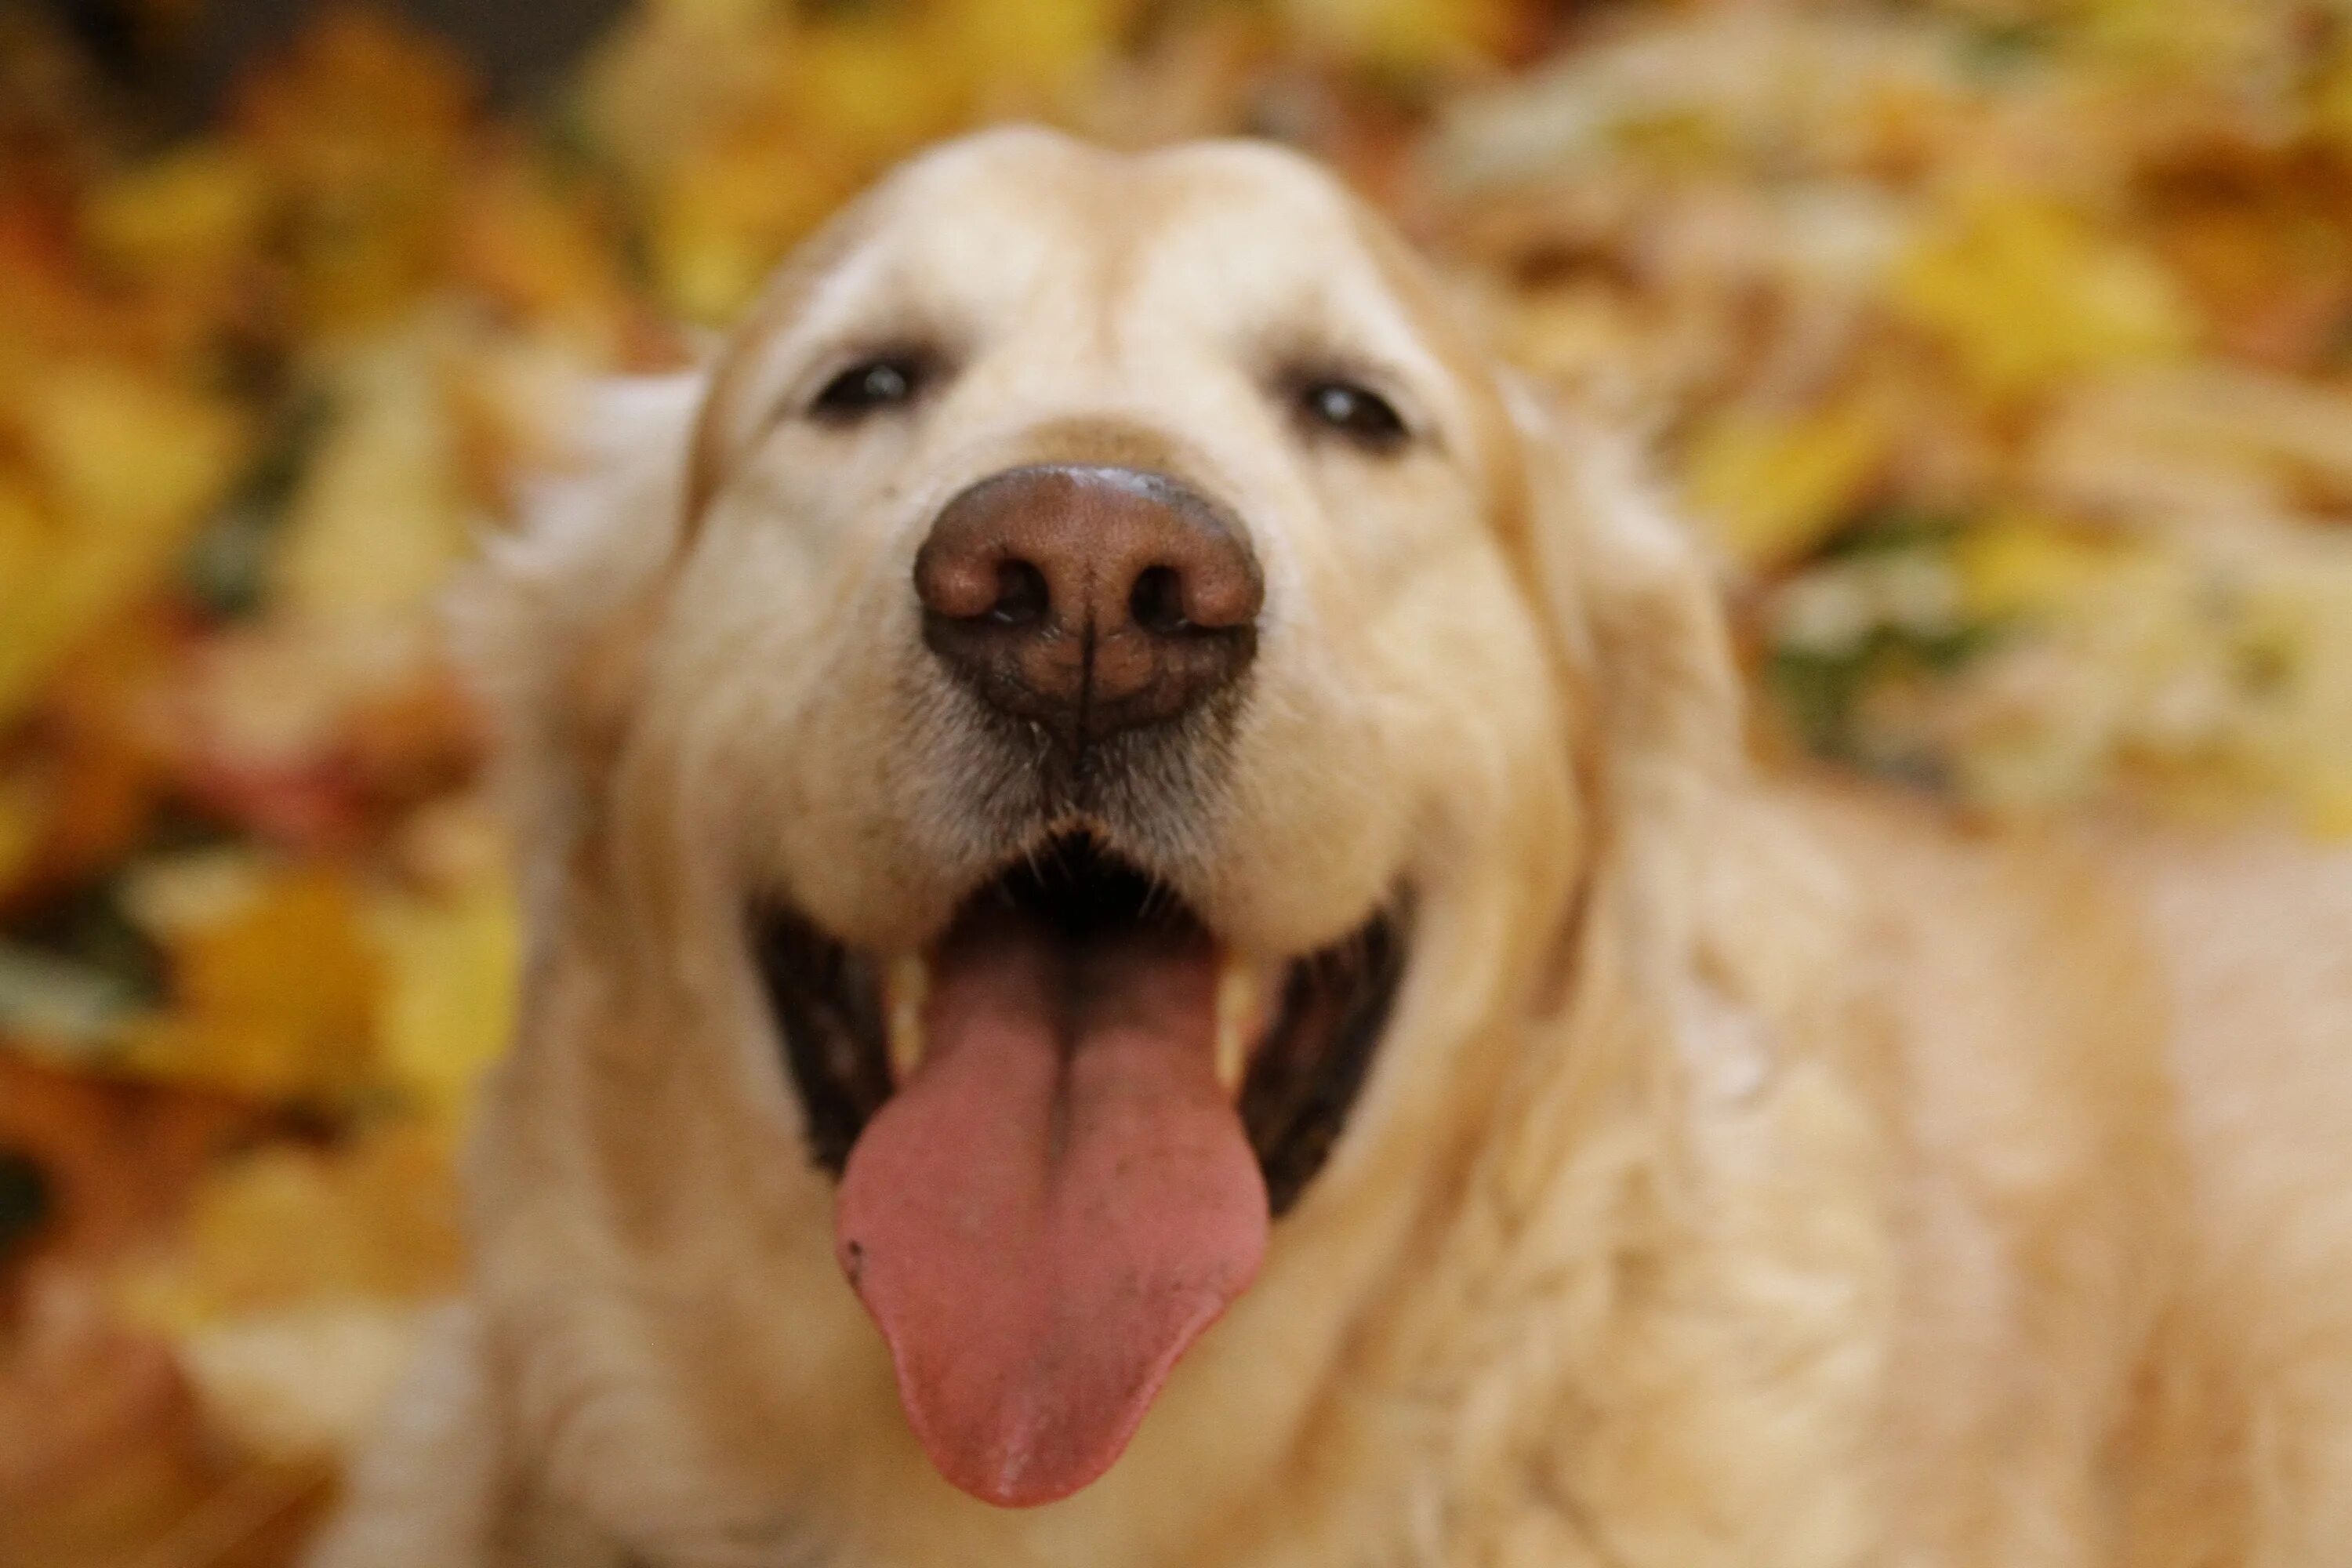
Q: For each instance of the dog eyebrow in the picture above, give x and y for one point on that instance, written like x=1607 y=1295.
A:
x=790 y=291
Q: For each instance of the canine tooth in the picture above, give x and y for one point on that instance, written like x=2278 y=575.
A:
x=905 y=986
x=1239 y=992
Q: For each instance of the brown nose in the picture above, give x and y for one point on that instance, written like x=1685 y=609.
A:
x=1090 y=600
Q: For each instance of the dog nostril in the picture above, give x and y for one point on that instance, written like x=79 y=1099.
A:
x=1022 y=596
x=1156 y=602
x=1088 y=600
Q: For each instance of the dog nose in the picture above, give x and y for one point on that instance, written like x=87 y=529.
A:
x=1091 y=600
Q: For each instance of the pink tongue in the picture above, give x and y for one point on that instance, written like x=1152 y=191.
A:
x=1054 y=1208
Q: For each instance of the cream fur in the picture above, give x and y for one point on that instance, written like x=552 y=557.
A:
x=1755 y=1172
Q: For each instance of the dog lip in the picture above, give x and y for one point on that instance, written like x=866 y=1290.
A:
x=831 y=1004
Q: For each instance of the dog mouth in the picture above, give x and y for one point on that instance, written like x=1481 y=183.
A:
x=1062 y=1132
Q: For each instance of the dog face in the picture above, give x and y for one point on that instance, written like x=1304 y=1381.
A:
x=1223 y=318
x=1101 y=685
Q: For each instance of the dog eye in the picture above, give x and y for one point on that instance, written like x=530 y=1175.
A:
x=886 y=381
x=1357 y=413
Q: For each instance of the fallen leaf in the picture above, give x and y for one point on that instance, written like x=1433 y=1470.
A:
x=1771 y=488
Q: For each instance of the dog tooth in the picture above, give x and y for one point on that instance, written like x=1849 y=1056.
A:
x=906 y=988
x=1239 y=992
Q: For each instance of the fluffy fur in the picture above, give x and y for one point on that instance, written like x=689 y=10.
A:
x=1753 y=1173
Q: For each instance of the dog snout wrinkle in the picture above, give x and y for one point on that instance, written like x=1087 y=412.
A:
x=1089 y=600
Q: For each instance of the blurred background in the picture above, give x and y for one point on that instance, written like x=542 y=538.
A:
x=2000 y=352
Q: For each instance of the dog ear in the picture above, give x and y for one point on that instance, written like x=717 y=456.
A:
x=1635 y=616
x=555 y=626
x=1639 y=630
x=552 y=626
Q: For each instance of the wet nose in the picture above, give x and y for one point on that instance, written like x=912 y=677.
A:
x=1090 y=600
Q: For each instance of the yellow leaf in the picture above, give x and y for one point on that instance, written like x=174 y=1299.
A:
x=2295 y=726
x=2327 y=804
x=2195 y=40
x=447 y=1004
x=381 y=515
x=1770 y=486
x=868 y=89
x=2024 y=293
x=293 y=1292
x=127 y=467
x=1041 y=44
x=722 y=221
x=125 y=453
x=194 y=209
x=273 y=989
x=2024 y=564
x=285 y=1226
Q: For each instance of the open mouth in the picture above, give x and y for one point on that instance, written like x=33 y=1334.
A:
x=1062 y=1132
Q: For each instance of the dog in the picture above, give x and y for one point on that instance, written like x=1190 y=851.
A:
x=1153 y=943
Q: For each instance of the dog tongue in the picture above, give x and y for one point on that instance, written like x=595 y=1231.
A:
x=1055 y=1206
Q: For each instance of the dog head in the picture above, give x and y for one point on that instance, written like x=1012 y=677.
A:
x=1108 y=669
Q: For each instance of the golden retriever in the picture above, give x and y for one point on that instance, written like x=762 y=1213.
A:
x=1152 y=946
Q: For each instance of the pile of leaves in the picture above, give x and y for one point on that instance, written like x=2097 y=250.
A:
x=2002 y=351
x=1997 y=350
